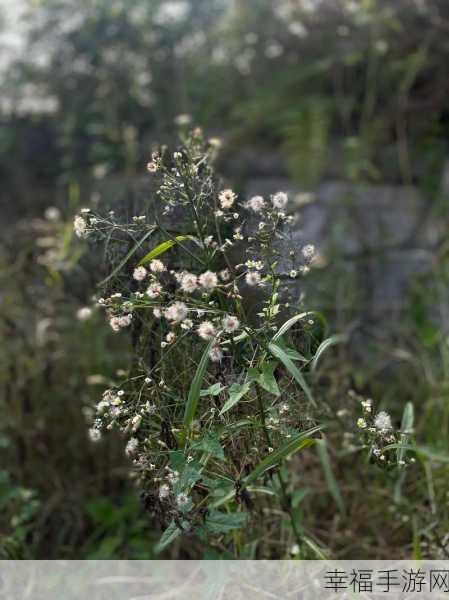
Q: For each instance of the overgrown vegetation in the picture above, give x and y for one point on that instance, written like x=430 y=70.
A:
x=357 y=91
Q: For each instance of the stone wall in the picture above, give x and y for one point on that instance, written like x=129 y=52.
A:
x=384 y=236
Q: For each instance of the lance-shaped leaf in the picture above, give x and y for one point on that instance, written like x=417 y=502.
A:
x=213 y=390
x=221 y=522
x=236 y=391
x=327 y=343
x=421 y=451
x=289 y=324
x=279 y=353
x=195 y=388
x=163 y=247
x=209 y=443
x=408 y=418
x=295 y=444
x=329 y=474
x=169 y=535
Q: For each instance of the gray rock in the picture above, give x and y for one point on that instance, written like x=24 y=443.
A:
x=383 y=235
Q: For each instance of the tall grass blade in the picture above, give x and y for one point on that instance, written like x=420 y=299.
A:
x=163 y=247
x=280 y=354
x=329 y=475
x=327 y=343
x=195 y=388
x=299 y=442
x=288 y=324
x=408 y=419
x=421 y=451
x=315 y=548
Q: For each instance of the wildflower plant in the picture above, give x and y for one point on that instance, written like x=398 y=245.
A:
x=216 y=400
x=387 y=445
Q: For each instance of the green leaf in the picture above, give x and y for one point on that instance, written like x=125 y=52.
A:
x=289 y=324
x=408 y=418
x=169 y=536
x=298 y=442
x=195 y=388
x=218 y=488
x=210 y=443
x=239 y=338
x=298 y=496
x=279 y=353
x=265 y=378
x=329 y=475
x=220 y=522
x=123 y=262
x=236 y=391
x=327 y=343
x=315 y=548
x=291 y=352
x=163 y=247
x=213 y=390
x=177 y=460
x=188 y=476
x=423 y=451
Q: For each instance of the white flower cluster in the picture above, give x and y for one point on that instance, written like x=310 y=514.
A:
x=227 y=198
x=166 y=490
x=118 y=323
x=378 y=432
x=80 y=226
x=180 y=308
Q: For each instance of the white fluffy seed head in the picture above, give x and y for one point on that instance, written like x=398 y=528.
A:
x=182 y=500
x=157 y=266
x=84 y=313
x=256 y=204
x=230 y=323
x=114 y=323
x=280 y=200
x=125 y=321
x=94 y=434
x=208 y=280
x=308 y=252
x=382 y=421
x=140 y=273
x=227 y=198
x=177 y=312
x=189 y=283
x=215 y=354
x=154 y=290
x=131 y=446
x=207 y=331
x=80 y=226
